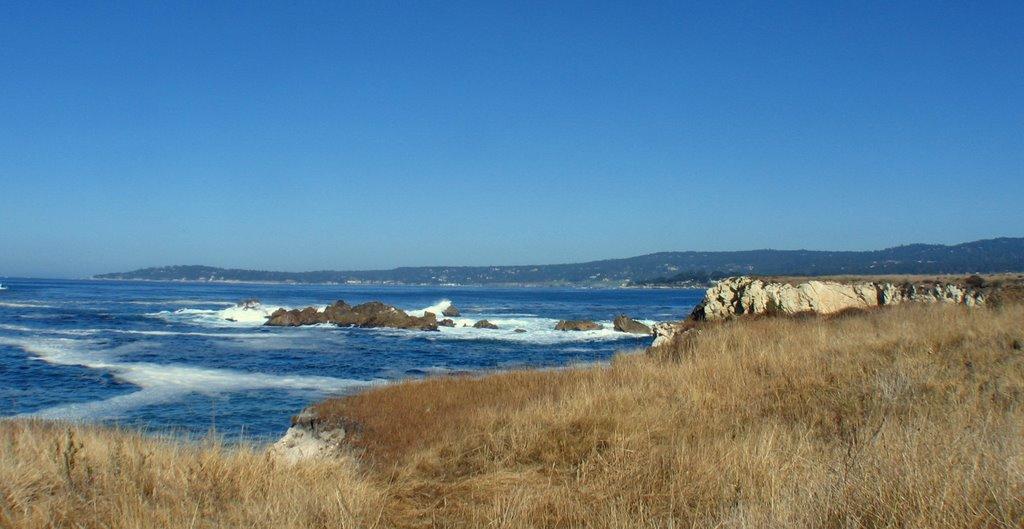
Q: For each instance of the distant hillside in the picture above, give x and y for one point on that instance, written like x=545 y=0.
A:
x=985 y=256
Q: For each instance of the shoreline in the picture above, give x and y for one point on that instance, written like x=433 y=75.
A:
x=767 y=406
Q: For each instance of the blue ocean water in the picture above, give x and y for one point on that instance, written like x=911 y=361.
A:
x=183 y=358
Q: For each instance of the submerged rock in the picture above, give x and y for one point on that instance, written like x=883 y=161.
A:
x=250 y=304
x=519 y=331
x=577 y=325
x=624 y=323
x=484 y=324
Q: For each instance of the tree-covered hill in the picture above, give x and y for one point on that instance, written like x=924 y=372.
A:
x=985 y=256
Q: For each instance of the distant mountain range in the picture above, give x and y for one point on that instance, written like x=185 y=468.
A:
x=1004 y=254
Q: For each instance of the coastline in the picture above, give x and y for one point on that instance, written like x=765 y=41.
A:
x=767 y=406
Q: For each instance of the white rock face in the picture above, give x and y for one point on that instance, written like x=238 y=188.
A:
x=307 y=440
x=744 y=295
x=664 y=332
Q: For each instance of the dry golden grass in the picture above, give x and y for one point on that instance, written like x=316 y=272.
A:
x=905 y=417
x=53 y=475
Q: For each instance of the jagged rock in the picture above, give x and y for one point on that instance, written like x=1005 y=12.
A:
x=484 y=324
x=447 y=322
x=451 y=312
x=577 y=325
x=309 y=438
x=250 y=304
x=333 y=312
x=666 y=332
x=284 y=318
x=624 y=323
x=735 y=296
x=369 y=315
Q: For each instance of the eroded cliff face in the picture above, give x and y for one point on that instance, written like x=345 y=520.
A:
x=745 y=295
x=310 y=438
x=737 y=296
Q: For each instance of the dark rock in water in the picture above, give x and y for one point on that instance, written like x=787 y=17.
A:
x=484 y=324
x=447 y=322
x=577 y=325
x=335 y=311
x=310 y=316
x=372 y=314
x=624 y=323
x=284 y=318
x=251 y=303
x=451 y=312
x=520 y=331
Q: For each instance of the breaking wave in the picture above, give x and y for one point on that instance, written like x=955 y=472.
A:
x=234 y=316
x=157 y=382
x=436 y=308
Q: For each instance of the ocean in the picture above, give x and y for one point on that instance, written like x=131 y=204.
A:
x=183 y=359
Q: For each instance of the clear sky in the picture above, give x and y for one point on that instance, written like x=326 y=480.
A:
x=338 y=135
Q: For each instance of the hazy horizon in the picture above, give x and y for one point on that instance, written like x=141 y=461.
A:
x=354 y=137
x=242 y=267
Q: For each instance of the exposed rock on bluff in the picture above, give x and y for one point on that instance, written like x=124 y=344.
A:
x=736 y=296
x=309 y=438
x=744 y=295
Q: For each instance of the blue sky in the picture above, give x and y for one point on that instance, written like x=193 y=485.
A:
x=296 y=136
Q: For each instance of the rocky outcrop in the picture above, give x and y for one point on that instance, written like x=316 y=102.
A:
x=484 y=324
x=447 y=322
x=665 y=332
x=736 y=296
x=451 y=312
x=577 y=325
x=309 y=438
x=624 y=323
x=368 y=315
x=249 y=304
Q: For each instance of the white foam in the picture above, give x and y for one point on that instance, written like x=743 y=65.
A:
x=234 y=316
x=93 y=332
x=158 y=382
x=24 y=305
x=179 y=302
x=538 y=331
x=436 y=308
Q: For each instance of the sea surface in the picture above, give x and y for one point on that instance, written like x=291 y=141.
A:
x=167 y=357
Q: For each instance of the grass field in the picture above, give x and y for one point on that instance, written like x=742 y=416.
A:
x=909 y=416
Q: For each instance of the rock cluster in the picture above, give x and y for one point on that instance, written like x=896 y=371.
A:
x=624 y=323
x=745 y=295
x=369 y=315
x=577 y=325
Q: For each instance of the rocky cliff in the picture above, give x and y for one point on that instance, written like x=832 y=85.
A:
x=737 y=296
x=745 y=295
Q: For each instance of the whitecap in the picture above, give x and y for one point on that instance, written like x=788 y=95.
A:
x=178 y=302
x=436 y=308
x=25 y=305
x=234 y=316
x=157 y=382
